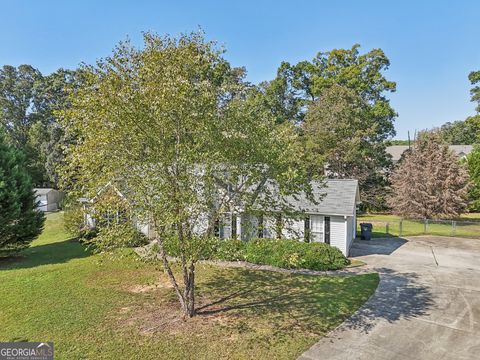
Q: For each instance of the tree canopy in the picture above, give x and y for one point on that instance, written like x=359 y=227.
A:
x=461 y=132
x=28 y=101
x=178 y=130
x=474 y=78
x=342 y=141
x=297 y=95
x=473 y=163
x=296 y=86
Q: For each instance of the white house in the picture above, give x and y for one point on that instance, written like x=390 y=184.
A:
x=332 y=220
x=48 y=199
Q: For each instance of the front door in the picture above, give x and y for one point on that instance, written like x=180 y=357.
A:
x=327 y=229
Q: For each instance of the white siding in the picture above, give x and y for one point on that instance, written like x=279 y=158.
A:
x=293 y=229
x=239 y=226
x=226 y=227
x=42 y=202
x=52 y=207
x=337 y=233
x=249 y=227
x=50 y=201
x=355 y=224
x=350 y=232
x=144 y=228
x=201 y=225
x=342 y=229
x=269 y=225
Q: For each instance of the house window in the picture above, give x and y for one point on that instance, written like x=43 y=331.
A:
x=316 y=228
x=216 y=228
x=327 y=229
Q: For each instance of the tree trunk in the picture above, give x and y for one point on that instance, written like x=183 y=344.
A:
x=170 y=274
x=189 y=294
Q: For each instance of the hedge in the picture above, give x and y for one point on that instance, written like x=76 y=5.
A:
x=283 y=253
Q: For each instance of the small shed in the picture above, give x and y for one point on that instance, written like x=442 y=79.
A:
x=48 y=199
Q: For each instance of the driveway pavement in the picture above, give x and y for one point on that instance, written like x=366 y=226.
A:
x=427 y=305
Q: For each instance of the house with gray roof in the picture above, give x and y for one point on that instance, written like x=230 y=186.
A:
x=326 y=215
x=330 y=218
x=396 y=151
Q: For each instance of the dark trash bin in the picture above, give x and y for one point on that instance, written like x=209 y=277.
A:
x=366 y=231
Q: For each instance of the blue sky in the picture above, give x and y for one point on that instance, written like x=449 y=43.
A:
x=432 y=45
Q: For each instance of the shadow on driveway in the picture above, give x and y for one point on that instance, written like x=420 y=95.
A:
x=376 y=246
x=398 y=296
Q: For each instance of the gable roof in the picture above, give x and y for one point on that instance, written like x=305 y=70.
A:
x=42 y=191
x=337 y=197
x=396 y=151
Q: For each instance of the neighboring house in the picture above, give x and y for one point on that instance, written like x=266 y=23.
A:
x=396 y=151
x=48 y=199
x=331 y=220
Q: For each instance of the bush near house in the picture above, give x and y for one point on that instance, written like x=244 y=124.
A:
x=283 y=253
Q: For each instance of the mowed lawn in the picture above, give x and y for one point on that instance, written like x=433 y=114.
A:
x=467 y=225
x=118 y=307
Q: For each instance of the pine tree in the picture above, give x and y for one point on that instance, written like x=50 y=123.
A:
x=430 y=182
x=20 y=221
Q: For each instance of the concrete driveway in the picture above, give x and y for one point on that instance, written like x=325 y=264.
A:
x=427 y=305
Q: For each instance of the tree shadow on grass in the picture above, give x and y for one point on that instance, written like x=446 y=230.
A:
x=52 y=253
x=316 y=304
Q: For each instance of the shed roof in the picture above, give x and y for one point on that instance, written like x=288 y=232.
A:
x=335 y=197
x=43 y=191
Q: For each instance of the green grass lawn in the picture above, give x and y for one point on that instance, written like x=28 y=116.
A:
x=467 y=225
x=106 y=307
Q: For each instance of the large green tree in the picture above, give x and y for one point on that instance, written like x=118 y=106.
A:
x=28 y=101
x=474 y=78
x=176 y=128
x=473 y=160
x=298 y=85
x=300 y=89
x=19 y=101
x=461 y=132
x=473 y=163
x=20 y=221
x=342 y=141
x=48 y=134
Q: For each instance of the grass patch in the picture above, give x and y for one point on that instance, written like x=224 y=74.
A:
x=94 y=306
x=385 y=225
